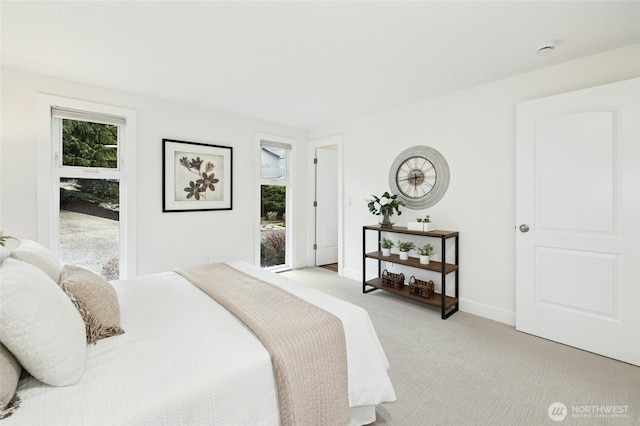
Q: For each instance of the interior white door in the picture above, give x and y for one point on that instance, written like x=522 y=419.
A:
x=327 y=208
x=578 y=219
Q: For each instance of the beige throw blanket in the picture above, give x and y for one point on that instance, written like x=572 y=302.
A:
x=306 y=343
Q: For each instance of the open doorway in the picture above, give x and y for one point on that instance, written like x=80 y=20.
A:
x=327 y=203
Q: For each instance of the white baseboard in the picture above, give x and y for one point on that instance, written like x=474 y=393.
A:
x=487 y=311
x=466 y=305
x=352 y=274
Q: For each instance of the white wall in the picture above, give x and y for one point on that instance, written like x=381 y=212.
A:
x=164 y=240
x=475 y=131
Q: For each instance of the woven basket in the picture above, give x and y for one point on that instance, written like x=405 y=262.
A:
x=389 y=279
x=421 y=288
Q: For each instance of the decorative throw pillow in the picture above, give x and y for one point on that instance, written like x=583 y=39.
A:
x=95 y=299
x=39 y=256
x=10 y=370
x=40 y=325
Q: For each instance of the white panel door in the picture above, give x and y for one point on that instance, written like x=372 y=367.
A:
x=327 y=209
x=578 y=219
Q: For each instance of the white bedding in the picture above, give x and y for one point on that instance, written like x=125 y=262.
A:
x=185 y=360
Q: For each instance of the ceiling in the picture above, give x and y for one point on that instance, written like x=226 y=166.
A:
x=304 y=64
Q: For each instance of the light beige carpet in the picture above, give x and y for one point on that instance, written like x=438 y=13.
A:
x=468 y=370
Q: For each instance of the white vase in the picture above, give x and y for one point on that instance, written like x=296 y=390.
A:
x=427 y=226
x=386 y=251
x=404 y=255
x=424 y=259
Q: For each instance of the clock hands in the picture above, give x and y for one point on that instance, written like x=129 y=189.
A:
x=414 y=178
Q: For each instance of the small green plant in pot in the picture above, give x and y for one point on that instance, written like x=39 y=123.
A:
x=386 y=245
x=427 y=225
x=4 y=238
x=425 y=251
x=405 y=247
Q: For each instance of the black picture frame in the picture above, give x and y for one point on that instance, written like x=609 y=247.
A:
x=196 y=176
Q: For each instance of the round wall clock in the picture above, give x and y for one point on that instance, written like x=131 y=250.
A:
x=420 y=177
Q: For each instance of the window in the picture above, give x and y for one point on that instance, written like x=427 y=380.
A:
x=275 y=196
x=89 y=221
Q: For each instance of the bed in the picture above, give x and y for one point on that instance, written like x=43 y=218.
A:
x=185 y=359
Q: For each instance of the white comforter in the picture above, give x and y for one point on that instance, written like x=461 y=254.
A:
x=185 y=360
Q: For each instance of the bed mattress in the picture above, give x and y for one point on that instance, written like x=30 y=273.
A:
x=184 y=359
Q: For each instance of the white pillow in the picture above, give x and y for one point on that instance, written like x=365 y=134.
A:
x=10 y=371
x=39 y=256
x=40 y=325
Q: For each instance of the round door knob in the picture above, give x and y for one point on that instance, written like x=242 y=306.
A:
x=524 y=228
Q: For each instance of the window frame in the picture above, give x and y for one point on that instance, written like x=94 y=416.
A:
x=50 y=168
x=287 y=182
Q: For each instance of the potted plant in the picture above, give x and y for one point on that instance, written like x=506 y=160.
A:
x=415 y=226
x=421 y=224
x=405 y=247
x=4 y=238
x=426 y=224
x=386 y=245
x=424 y=252
x=384 y=206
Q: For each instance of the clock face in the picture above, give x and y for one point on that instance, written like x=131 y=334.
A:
x=416 y=177
x=420 y=177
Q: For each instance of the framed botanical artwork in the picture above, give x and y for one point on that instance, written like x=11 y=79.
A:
x=195 y=176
